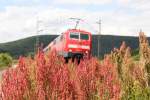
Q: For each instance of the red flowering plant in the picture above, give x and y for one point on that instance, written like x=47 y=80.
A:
x=47 y=77
x=15 y=82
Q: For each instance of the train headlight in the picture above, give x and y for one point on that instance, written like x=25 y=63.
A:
x=70 y=50
x=86 y=52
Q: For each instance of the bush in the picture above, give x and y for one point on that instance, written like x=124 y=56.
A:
x=5 y=60
x=47 y=77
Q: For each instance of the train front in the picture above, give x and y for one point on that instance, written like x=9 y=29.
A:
x=79 y=44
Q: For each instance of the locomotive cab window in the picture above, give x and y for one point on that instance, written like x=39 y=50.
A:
x=84 y=36
x=74 y=35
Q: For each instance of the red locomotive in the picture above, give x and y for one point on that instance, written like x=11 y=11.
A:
x=74 y=43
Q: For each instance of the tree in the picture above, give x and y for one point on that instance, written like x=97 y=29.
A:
x=5 y=59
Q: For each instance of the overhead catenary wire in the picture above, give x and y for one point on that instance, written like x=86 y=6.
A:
x=77 y=21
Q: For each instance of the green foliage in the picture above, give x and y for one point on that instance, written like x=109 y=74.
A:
x=30 y=54
x=136 y=92
x=135 y=55
x=5 y=60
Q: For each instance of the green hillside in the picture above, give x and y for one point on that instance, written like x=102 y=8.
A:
x=107 y=43
x=24 y=46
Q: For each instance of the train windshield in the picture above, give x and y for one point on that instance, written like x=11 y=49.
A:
x=74 y=35
x=84 y=36
x=79 y=35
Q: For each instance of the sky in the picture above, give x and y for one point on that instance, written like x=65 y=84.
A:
x=19 y=18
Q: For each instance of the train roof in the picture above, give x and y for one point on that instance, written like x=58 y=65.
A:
x=78 y=30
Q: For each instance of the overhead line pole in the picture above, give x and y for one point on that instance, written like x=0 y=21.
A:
x=37 y=34
x=99 y=35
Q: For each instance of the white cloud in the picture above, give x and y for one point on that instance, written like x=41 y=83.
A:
x=124 y=1
x=81 y=2
x=139 y=5
x=19 y=22
x=16 y=22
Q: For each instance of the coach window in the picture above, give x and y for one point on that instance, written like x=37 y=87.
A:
x=84 y=36
x=74 y=35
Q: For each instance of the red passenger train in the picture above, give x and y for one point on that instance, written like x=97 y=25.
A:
x=74 y=43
